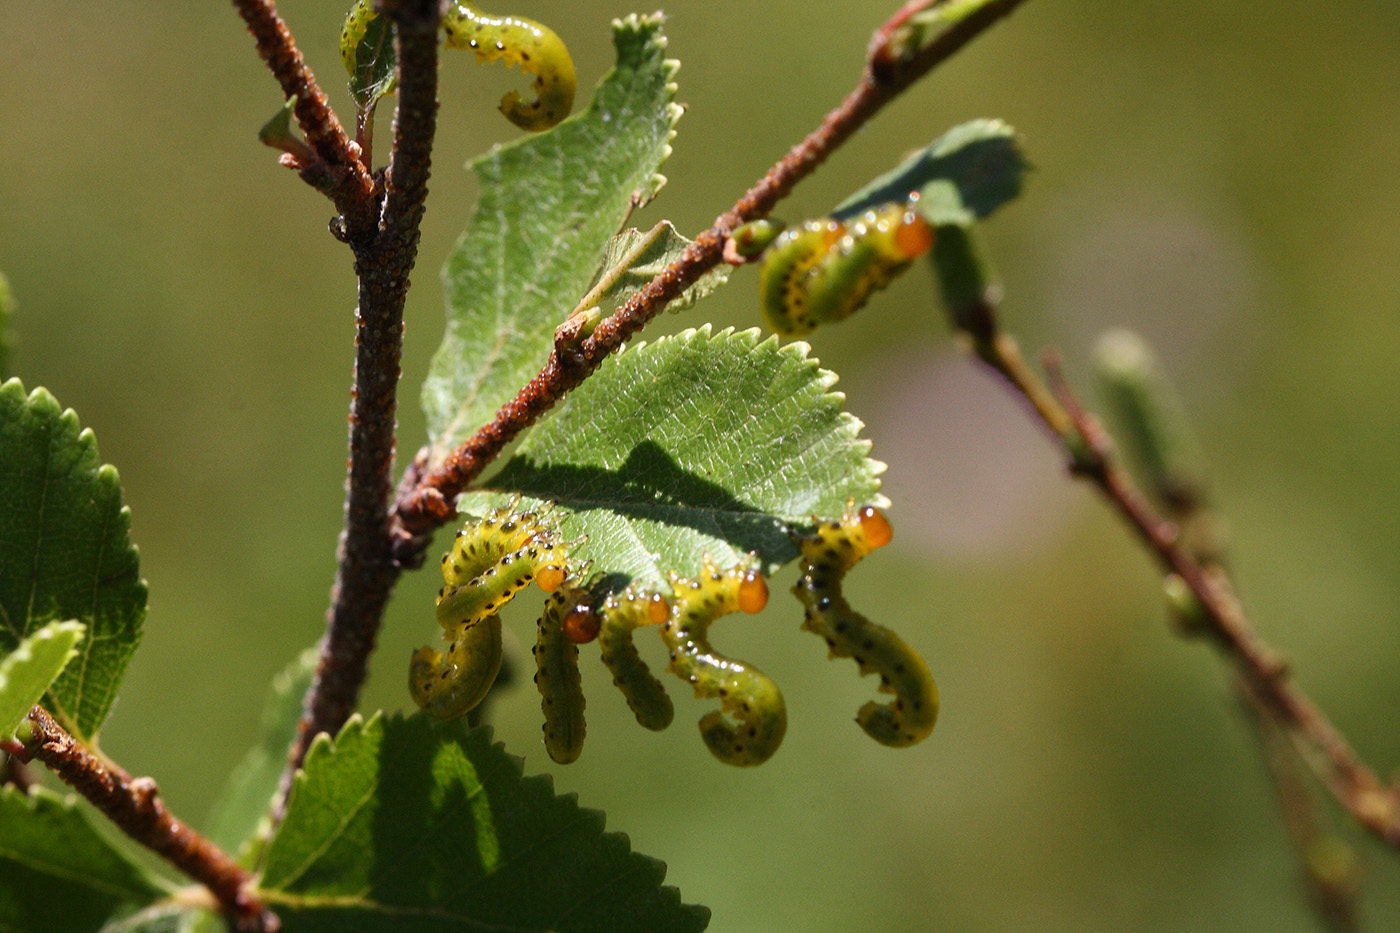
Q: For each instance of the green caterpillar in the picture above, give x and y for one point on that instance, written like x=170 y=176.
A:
x=557 y=679
x=745 y=693
x=823 y=271
x=516 y=40
x=827 y=555
x=490 y=561
x=622 y=614
x=353 y=33
x=513 y=40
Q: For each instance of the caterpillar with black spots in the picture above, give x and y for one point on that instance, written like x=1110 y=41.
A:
x=512 y=40
x=567 y=618
x=827 y=555
x=825 y=270
x=622 y=614
x=490 y=562
x=745 y=693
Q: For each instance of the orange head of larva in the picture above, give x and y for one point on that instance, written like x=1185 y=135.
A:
x=913 y=237
x=753 y=592
x=581 y=624
x=875 y=526
x=550 y=578
x=658 y=609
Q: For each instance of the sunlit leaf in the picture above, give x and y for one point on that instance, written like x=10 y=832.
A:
x=549 y=203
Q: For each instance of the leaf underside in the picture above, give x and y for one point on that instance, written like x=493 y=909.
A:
x=56 y=873
x=412 y=824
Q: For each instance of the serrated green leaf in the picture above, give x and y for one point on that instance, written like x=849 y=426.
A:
x=409 y=824
x=28 y=671
x=634 y=257
x=243 y=805
x=56 y=873
x=65 y=552
x=961 y=176
x=694 y=444
x=549 y=203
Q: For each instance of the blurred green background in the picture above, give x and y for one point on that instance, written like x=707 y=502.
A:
x=1223 y=177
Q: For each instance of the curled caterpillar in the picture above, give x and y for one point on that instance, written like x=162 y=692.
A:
x=490 y=561
x=827 y=555
x=557 y=679
x=448 y=685
x=823 y=271
x=622 y=614
x=745 y=692
x=516 y=40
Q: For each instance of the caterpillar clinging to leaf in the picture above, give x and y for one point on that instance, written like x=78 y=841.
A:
x=745 y=692
x=513 y=40
x=556 y=656
x=824 y=270
x=622 y=614
x=827 y=555
x=490 y=561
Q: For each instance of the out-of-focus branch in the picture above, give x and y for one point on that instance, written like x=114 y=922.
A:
x=134 y=805
x=1217 y=614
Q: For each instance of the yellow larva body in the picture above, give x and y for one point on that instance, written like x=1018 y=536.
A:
x=515 y=40
x=490 y=562
x=824 y=270
x=827 y=555
x=449 y=684
x=622 y=614
x=557 y=677
x=745 y=693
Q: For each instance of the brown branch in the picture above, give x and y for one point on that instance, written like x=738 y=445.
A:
x=134 y=805
x=12 y=770
x=338 y=172
x=1091 y=457
x=1356 y=787
x=429 y=503
x=1329 y=869
x=367 y=572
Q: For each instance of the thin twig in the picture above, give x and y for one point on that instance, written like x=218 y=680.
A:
x=429 y=504
x=338 y=173
x=1091 y=457
x=367 y=572
x=1356 y=786
x=1329 y=870
x=134 y=805
x=12 y=771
